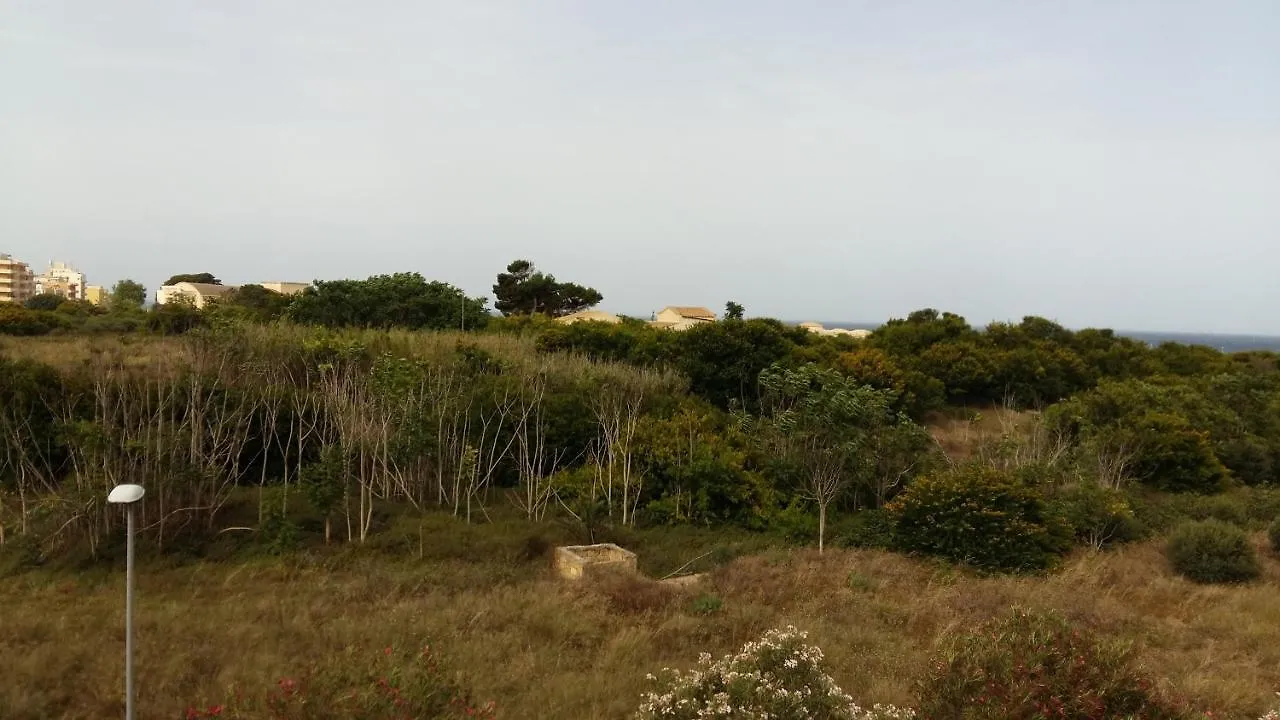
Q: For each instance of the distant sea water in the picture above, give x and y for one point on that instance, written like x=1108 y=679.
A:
x=1223 y=342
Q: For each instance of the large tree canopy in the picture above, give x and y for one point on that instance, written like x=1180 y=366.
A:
x=399 y=300
x=522 y=290
x=203 y=278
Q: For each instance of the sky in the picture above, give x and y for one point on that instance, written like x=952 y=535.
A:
x=1100 y=163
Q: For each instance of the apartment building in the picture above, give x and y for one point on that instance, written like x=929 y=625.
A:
x=61 y=279
x=16 y=281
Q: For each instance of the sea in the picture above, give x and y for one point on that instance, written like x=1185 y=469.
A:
x=1222 y=342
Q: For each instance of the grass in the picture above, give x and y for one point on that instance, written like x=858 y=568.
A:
x=546 y=649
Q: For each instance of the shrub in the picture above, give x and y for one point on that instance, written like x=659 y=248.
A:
x=390 y=683
x=1032 y=665
x=980 y=516
x=778 y=676
x=1273 y=534
x=1212 y=551
x=1226 y=508
x=867 y=529
x=707 y=604
x=1099 y=517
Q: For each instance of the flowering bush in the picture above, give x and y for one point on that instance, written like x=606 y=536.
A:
x=387 y=684
x=778 y=676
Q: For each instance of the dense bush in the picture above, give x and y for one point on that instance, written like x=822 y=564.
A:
x=1212 y=551
x=980 y=516
x=871 y=528
x=778 y=676
x=1099 y=517
x=1030 y=666
x=1273 y=534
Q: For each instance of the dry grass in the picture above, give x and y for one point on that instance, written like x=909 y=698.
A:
x=960 y=436
x=546 y=649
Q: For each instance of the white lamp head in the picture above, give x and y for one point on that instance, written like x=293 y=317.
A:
x=126 y=494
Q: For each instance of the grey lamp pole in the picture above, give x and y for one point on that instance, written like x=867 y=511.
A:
x=129 y=496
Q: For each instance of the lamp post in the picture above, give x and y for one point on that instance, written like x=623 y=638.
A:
x=129 y=496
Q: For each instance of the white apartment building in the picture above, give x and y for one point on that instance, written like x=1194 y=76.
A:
x=61 y=279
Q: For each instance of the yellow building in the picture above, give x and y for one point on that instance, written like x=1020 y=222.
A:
x=96 y=295
x=17 y=284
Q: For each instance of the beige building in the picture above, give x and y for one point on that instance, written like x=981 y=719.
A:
x=680 y=317
x=96 y=295
x=589 y=316
x=197 y=294
x=61 y=279
x=17 y=284
x=818 y=329
x=286 y=288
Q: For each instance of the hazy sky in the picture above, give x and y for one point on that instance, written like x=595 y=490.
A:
x=1111 y=163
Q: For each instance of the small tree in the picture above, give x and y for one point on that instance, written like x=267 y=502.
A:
x=734 y=311
x=325 y=482
x=128 y=295
x=820 y=424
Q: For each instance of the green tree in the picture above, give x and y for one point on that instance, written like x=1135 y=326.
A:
x=325 y=483
x=44 y=301
x=202 y=278
x=734 y=311
x=723 y=360
x=263 y=305
x=821 y=425
x=523 y=290
x=128 y=295
x=383 y=301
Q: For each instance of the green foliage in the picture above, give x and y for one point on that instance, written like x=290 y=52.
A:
x=174 y=318
x=263 y=305
x=404 y=300
x=1099 y=517
x=706 y=604
x=1227 y=508
x=915 y=393
x=522 y=290
x=871 y=529
x=1032 y=665
x=199 y=278
x=18 y=320
x=44 y=301
x=982 y=517
x=723 y=360
x=1212 y=551
x=324 y=482
x=128 y=295
x=734 y=311
x=1176 y=457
